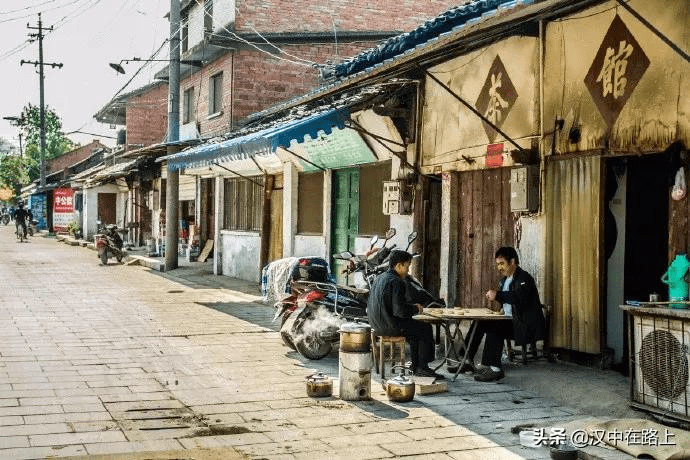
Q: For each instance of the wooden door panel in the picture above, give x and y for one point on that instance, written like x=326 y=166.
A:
x=485 y=224
x=107 y=211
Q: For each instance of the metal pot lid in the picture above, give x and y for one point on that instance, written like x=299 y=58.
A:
x=401 y=380
x=357 y=328
x=318 y=377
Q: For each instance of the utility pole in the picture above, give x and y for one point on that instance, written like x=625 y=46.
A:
x=39 y=36
x=172 y=184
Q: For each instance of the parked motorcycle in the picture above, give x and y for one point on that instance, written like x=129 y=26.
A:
x=313 y=314
x=109 y=243
x=32 y=226
x=5 y=218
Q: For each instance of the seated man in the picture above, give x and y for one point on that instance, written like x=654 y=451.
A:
x=520 y=300
x=390 y=313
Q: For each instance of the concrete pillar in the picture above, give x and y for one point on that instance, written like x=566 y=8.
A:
x=290 y=184
x=327 y=209
x=219 y=204
x=449 y=237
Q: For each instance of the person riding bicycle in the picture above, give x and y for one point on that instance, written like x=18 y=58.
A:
x=20 y=216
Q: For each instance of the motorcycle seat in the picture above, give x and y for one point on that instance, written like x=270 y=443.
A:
x=355 y=293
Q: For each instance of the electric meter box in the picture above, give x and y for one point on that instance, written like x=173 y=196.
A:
x=391 y=197
x=524 y=188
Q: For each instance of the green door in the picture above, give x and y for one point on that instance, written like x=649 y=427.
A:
x=345 y=216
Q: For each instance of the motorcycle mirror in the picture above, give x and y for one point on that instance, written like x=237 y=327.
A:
x=373 y=241
x=345 y=255
x=410 y=239
x=390 y=233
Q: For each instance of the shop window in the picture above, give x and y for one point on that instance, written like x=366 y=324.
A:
x=372 y=220
x=188 y=105
x=243 y=203
x=215 y=94
x=310 y=204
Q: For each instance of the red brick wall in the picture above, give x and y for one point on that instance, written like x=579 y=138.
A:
x=72 y=157
x=261 y=80
x=310 y=15
x=147 y=117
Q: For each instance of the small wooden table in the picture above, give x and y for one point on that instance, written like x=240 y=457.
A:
x=447 y=317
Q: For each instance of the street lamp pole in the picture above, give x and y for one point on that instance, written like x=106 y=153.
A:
x=172 y=188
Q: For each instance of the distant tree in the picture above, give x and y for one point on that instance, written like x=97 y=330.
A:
x=56 y=142
x=6 y=146
x=12 y=172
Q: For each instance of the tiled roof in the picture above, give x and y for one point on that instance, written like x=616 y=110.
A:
x=452 y=19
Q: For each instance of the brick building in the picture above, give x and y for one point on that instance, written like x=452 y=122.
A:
x=73 y=156
x=256 y=54
x=143 y=112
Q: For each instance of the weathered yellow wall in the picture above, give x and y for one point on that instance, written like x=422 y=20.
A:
x=656 y=113
x=450 y=130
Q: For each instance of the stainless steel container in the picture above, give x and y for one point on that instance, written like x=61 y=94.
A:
x=355 y=337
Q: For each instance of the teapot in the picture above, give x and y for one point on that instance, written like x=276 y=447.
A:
x=401 y=387
x=319 y=385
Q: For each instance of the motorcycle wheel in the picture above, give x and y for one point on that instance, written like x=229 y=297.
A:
x=31 y=231
x=313 y=346
x=285 y=331
x=119 y=258
x=104 y=257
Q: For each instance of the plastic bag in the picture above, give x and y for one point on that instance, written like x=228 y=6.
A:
x=679 y=187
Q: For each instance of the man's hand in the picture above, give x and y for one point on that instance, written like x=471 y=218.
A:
x=420 y=309
x=491 y=295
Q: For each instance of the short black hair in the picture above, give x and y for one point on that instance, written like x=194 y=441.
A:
x=508 y=253
x=398 y=256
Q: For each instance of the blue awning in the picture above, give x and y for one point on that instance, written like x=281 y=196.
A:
x=264 y=142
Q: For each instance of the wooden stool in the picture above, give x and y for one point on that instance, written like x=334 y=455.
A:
x=378 y=350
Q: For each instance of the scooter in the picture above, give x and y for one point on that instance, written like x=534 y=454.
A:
x=109 y=243
x=312 y=314
x=319 y=309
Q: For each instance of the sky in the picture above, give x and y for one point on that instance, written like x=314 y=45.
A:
x=87 y=36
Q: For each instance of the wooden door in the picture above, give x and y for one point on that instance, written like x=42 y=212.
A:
x=107 y=211
x=275 y=250
x=345 y=220
x=432 y=238
x=486 y=223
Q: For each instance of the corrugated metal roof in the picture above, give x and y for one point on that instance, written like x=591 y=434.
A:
x=452 y=19
x=263 y=142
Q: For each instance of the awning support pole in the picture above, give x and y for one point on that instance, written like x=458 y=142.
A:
x=257 y=165
x=397 y=154
x=473 y=110
x=238 y=174
x=302 y=158
x=359 y=128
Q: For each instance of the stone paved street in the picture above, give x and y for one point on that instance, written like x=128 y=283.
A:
x=118 y=359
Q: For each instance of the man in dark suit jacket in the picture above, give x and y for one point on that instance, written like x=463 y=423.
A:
x=519 y=298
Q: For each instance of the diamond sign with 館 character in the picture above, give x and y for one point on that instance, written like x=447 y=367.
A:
x=616 y=70
x=496 y=98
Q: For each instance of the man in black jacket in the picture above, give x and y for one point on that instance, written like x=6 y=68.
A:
x=390 y=313
x=519 y=298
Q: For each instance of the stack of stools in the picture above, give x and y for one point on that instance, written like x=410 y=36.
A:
x=396 y=344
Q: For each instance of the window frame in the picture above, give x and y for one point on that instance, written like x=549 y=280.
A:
x=188 y=115
x=208 y=16
x=243 y=204
x=215 y=100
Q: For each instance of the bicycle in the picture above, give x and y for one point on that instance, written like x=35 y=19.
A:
x=20 y=233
